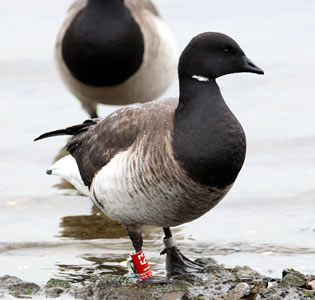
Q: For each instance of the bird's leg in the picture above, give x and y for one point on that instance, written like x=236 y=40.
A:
x=90 y=107
x=94 y=115
x=135 y=236
x=139 y=260
x=176 y=262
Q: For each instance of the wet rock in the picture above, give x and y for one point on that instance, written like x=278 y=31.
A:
x=255 y=288
x=309 y=293
x=274 y=297
x=189 y=277
x=217 y=271
x=110 y=280
x=292 y=278
x=108 y=287
x=215 y=282
x=174 y=296
x=245 y=272
x=6 y=281
x=311 y=285
x=55 y=287
x=17 y=287
x=205 y=261
x=237 y=293
x=266 y=292
x=310 y=282
x=120 y=287
x=53 y=282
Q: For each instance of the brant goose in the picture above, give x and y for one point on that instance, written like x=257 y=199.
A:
x=166 y=162
x=115 y=52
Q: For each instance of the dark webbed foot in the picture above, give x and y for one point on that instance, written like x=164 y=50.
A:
x=178 y=264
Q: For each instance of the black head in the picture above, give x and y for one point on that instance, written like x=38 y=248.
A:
x=212 y=55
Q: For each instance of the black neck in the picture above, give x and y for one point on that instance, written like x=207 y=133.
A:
x=207 y=140
x=105 y=3
x=103 y=46
x=191 y=88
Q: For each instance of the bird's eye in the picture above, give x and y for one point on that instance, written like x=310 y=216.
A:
x=227 y=50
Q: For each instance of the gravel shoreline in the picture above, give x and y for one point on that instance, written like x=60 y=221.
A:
x=216 y=282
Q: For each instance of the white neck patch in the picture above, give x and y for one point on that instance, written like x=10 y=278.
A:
x=200 y=78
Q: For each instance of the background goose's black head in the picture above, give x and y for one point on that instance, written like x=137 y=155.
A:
x=212 y=55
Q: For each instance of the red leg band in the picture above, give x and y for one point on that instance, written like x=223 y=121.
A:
x=141 y=264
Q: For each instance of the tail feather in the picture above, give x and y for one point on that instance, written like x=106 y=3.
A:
x=67 y=168
x=72 y=130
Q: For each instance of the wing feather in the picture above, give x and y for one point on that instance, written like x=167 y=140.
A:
x=95 y=147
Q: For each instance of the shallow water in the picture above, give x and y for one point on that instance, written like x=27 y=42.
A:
x=266 y=221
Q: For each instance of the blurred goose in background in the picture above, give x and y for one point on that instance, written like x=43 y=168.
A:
x=166 y=162
x=115 y=52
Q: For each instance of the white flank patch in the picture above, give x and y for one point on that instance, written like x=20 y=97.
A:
x=200 y=78
x=116 y=190
x=67 y=169
x=110 y=188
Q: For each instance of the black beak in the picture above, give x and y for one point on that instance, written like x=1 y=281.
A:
x=249 y=66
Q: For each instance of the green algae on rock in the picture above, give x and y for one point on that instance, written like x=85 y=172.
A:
x=55 y=287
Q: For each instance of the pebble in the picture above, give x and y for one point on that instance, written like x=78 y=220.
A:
x=174 y=296
x=311 y=284
x=237 y=293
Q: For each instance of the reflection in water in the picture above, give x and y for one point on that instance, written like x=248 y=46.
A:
x=244 y=247
x=75 y=273
x=95 y=226
x=99 y=226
